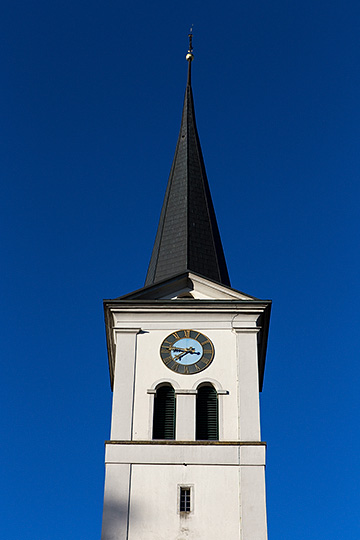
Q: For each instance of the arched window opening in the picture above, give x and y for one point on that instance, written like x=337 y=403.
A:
x=164 y=413
x=207 y=424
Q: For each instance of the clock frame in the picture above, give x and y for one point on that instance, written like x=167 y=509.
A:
x=181 y=347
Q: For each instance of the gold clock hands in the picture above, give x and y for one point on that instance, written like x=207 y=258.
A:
x=190 y=350
x=176 y=357
x=176 y=349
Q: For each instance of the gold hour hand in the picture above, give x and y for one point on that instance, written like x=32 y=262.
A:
x=191 y=350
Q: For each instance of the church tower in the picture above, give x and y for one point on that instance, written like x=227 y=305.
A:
x=186 y=352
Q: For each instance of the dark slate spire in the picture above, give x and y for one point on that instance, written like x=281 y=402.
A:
x=187 y=238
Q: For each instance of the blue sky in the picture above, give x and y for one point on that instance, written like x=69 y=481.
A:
x=91 y=105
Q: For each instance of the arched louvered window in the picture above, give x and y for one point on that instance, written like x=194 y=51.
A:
x=207 y=424
x=164 y=413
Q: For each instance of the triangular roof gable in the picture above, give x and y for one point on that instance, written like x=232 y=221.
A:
x=187 y=285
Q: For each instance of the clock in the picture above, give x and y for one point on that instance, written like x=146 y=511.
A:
x=187 y=351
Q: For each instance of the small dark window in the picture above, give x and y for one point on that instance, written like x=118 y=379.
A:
x=185 y=499
x=207 y=428
x=164 y=413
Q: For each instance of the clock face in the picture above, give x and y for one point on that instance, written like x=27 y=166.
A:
x=187 y=351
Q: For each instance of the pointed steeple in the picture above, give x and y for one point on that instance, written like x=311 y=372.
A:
x=188 y=237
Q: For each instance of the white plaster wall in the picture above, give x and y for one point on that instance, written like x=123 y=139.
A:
x=228 y=481
x=253 y=503
x=141 y=498
x=123 y=393
x=248 y=386
x=185 y=409
x=234 y=369
x=154 y=503
x=116 y=501
x=151 y=370
x=189 y=454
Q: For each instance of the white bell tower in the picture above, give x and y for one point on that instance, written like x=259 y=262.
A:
x=185 y=458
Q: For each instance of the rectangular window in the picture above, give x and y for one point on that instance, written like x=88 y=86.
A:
x=185 y=499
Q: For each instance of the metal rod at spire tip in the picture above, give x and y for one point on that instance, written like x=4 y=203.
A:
x=190 y=56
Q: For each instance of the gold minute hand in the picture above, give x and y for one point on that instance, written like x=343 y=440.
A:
x=176 y=357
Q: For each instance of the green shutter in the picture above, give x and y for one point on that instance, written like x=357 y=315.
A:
x=207 y=414
x=164 y=413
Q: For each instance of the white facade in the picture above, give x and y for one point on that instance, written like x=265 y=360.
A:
x=226 y=477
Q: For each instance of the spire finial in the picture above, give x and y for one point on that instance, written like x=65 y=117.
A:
x=190 y=56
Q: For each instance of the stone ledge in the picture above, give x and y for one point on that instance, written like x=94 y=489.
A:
x=191 y=443
x=229 y=453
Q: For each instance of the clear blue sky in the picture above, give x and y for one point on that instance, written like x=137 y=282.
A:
x=90 y=111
